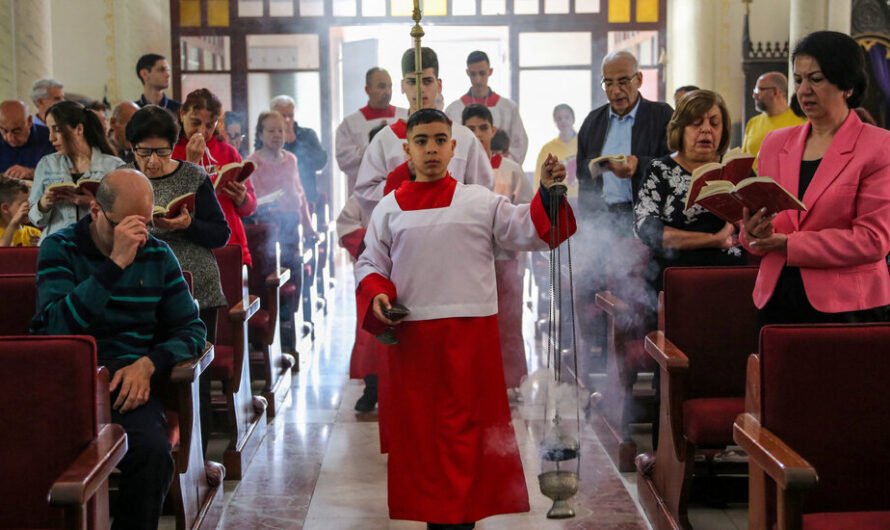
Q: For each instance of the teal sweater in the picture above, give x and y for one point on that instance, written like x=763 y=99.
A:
x=143 y=310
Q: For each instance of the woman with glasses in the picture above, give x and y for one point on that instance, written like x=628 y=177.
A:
x=234 y=130
x=200 y=145
x=82 y=152
x=152 y=131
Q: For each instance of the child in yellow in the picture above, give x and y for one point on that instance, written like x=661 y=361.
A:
x=13 y=214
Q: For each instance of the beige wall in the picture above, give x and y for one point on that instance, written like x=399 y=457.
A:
x=85 y=44
x=111 y=34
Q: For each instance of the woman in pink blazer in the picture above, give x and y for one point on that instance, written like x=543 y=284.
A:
x=826 y=264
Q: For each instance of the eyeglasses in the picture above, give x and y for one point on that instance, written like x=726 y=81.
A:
x=759 y=89
x=113 y=224
x=622 y=82
x=236 y=137
x=146 y=152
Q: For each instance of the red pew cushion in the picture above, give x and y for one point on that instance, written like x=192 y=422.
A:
x=223 y=366
x=173 y=428
x=637 y=360
x=857 y=520
x=707 y=422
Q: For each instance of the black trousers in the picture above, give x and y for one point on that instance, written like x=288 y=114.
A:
x=147 y=468
x=789 y=305
x=208 y=317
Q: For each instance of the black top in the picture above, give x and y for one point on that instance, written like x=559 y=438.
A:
x=807 y=171
x=660 y=203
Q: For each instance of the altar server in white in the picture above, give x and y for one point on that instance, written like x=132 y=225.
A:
x=352 y=133
x=504 y=111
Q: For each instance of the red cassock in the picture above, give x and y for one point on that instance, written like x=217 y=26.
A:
x=453 y=456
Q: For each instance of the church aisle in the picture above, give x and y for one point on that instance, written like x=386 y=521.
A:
x=320 y=468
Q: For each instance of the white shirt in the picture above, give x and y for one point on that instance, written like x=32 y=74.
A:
x=352 y=137
x=504 y=114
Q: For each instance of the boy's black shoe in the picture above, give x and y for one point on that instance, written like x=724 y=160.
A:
x=368 y=401
x=461 y=526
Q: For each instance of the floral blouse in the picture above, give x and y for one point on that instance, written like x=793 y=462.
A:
x=660 y=203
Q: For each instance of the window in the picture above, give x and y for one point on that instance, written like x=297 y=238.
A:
x=205 y=54
x=374 y=8
x=250 y=8
x=282 y=52
x=554 y=49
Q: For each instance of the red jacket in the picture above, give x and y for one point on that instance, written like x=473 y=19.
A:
x=841 y=242
x=222 y=154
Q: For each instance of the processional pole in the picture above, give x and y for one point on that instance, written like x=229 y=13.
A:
x=417 y=34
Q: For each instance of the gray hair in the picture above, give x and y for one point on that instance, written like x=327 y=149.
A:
x=281 y=101
x=40 y=88
x=620 y=54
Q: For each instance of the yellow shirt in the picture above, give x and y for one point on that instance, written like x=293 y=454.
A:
x=758 y=127
x=22 y=237
x=566 y=152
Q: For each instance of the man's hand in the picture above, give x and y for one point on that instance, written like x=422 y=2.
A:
x=20 y=172
x=552 y=171
x=180 y=222
x=625 y=170
x=236 y=191
x=135 y=384
x=129 y=236
x=194 y=150
x=381 y=302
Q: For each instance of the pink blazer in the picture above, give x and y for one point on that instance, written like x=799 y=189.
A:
x=840 y=243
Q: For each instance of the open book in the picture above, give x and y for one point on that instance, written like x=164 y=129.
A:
x=598 y=164
x=90 y=185
x=174 y=207
x=736 y=166
x=234 y=172
x=726 y=200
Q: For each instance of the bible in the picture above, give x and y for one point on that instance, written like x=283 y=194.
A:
x=174 y=207
x=82 y=185
x=234 y=172
x=735 y=167
x=598 y=164
x=726 y=200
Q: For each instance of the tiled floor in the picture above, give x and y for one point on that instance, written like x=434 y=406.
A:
x=320 y=468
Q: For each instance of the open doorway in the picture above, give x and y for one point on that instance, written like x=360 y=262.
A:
x=355 y=49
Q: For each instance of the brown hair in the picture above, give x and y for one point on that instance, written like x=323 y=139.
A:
x=693 y=106
x=202 y=99
x=258 y=131
x=11 y=188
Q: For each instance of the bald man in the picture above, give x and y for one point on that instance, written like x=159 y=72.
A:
x=770 y=96
x=22 y=142
x=106 y=276
x=120 y=117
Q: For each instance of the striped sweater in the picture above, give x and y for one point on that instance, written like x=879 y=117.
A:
x=143 y=310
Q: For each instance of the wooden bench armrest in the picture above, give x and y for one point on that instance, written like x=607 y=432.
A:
x=242 y=312
x=611 y=304
x=766 y=450
x=189 y=370
x=307 y=255
x=668 y=356
x=92 y=467
x=276 y=280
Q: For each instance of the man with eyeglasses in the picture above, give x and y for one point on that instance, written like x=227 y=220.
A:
x=108 y=277
x=627 y=125
x=771 y=100
x=22 y=142
x=353 y=132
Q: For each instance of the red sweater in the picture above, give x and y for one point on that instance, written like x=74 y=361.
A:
x=222 y=154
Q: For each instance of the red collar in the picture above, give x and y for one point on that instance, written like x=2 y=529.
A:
x=400 y=127
x=489 y=101
x=396 y=177
x=371 y=113
x=496 y=161
x=412 y=195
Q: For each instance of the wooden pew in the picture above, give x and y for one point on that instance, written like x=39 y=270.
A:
x=197 y=497
x=709 y=329
x=311 y=304
x=246 y=413
x=618 y=404
x=324 y=279
x=815 y=428
x=266 y=279
x=57 y=456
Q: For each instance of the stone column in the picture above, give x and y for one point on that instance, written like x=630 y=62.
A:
x=691 y=38
x=33 y=45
